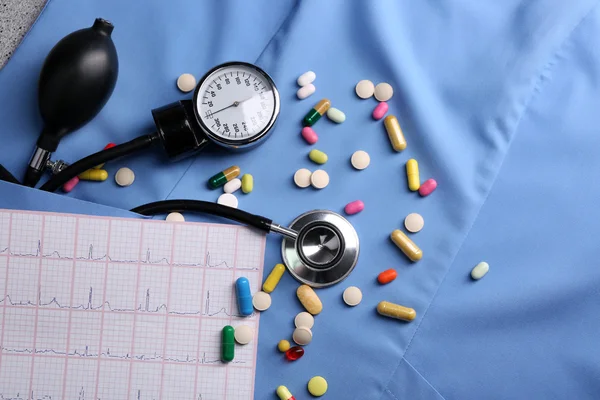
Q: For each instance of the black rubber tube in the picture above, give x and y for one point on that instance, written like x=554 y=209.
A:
x=5 y=175
x=167 y=206
x=100 y=157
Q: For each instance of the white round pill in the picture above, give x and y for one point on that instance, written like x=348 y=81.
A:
x=480 y=270
x=175 y=217
x=360 y=159
x=227 y=199
x=306 y=91
x=302 y=336
x=261 y=301
x=232 y=185
x=186 y=82
x=243 y=334
x=352 y=296
x=302 y=178
x=306 y=78
x=364 y=89
x=304 y=319
x=124 y=177
x=414 y=222
x=383 y=91
x=319 y=179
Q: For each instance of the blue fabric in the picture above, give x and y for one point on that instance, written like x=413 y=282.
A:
x=498 y=102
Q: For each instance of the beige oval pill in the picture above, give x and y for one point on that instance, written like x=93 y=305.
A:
x=302 y=178
x=364 y=89
x=186 y=82
x=302 y=336
x=480 y=270
x=383 y=91
x=336 y=115
x=319 y=179
x=309 y=299
x=304 y=319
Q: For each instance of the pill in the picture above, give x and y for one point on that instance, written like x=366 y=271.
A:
x=336 y=115
x=309 y=135
x=186 y=82
x=108 y=146
x=394 y=133
x=302 y=336
x=396 y=311
x=294 y=353
x=304 y=319
x=317 y=386
x=408 y=247
x=383 y=91
x=244 y=296
x=175 y=217
x=306 y=91
x=317 y=156
x=306 y=78
x=247 y=183
x=228 y=199
x=273 y=278
x=352 y=296
x=309 y=299
x=232 y=186
x=261 y=301
x=360 y=159
x=70 y=184
x=284 y=393
x=316 y=112
x=227 y=343
x=283 y=346
x=364 y=89
x=387 y=276
x=98 y=175
x=319 y=179
x=412 y=175
x=223 y=177
x=243 y=334
x=354 y=207
x=380 y=110
x=302 y=178
x=427 y=187
x=414 y=222
x=480 y=270
x=124 y=177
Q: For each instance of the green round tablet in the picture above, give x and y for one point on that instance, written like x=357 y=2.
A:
x=317 y=386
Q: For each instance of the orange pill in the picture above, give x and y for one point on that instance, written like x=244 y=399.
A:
x=387 y=276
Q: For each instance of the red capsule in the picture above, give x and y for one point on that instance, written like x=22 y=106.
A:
x=294 y=353
x=387 y=276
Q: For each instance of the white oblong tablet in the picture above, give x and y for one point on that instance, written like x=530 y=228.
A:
x=243 y=334
x=302 y=178
x=364 y=89
x=480 y=270
x=306 y=78
x=227 y=199
x=306 y=91
x=336 y=115
x=175 y=217
x=360 y=159
x=383 y=91
x=186 y=82
x=261 y=301
x=304 y=319
x=232 y=185
x=414 y=222
x=352 y=296
x=302 y=336
x=124 y=177
x=319 y=179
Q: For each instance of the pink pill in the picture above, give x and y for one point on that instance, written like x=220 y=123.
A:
x=427 y=187
x=380 y=110
x=67 y=187
x=309 y=135
x=354 y=207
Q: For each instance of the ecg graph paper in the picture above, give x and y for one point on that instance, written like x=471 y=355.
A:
x=113 y=308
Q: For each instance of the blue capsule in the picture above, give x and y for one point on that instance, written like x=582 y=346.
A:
x=244 y=296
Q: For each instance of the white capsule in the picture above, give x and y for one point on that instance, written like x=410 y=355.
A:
x=480 y=270
x=227 y=199
x=306 y=91
x=232 y=185
x=306 y=78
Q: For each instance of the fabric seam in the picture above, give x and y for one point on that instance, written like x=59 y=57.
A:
x=422 y=377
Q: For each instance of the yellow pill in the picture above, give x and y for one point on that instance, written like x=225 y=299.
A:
x=412 y=173
x=408 y=247
x=247 y=183
x=99 y=175
x=392 y=126
x=273 y=278
x=396 y=311
x=309 y=299
x=317 y=156
x=283 y=346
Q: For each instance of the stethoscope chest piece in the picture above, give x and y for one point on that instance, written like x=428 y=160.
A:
x=326 y=250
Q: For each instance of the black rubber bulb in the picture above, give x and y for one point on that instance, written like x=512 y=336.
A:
x=77 y=79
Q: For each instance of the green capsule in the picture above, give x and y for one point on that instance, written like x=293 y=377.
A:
x=316 y=112
x=227 y=343
x=223 y=177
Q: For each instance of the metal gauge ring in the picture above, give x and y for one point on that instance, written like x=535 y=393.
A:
x=236 y=104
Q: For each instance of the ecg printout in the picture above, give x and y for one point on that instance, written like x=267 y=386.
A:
x=113 y=308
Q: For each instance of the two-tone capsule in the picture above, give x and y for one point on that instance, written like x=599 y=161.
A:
x=223 y=177
x=392 y=126
x=227 y=343
x=316 y=112
x=408 y=247
x=244 y=296
x=412 y=174
x=284 y=393
x=396 y=311
x=273 y=278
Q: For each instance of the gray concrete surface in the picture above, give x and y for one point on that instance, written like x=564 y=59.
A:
x=16 y=17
